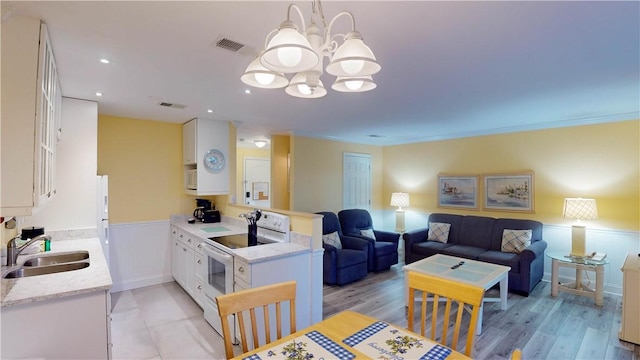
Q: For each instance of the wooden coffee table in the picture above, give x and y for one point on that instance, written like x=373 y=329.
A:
x=478 y=273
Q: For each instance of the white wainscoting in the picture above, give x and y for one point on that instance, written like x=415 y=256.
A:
x=140 y=254
x=615 y=243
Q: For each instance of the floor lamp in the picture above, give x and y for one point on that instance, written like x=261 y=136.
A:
x=400 y=199
x=579 y=209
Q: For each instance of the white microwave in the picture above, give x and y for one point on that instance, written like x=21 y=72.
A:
x=191 y=179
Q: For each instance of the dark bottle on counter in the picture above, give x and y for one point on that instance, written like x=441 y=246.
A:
x=253 y=234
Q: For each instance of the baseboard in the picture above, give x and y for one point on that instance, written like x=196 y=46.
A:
x=138 y=283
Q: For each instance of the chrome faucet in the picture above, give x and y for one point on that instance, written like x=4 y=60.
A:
x=13 y=251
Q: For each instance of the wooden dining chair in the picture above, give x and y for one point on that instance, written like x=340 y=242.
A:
x=246 y=303
x=450 y=291
x=516 y=354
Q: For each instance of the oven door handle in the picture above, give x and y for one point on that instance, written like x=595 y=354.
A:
x=210 y=250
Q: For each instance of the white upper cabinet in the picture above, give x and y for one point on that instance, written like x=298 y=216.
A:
x=189 y=142
x=30 y=116
x=207 y=143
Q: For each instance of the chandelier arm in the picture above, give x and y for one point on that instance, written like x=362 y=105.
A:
x=328 y=37
x=294 y=6
x=267 y=38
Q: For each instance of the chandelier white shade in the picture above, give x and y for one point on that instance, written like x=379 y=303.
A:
x=306 y=85
x=289 y=50
x=353 y=58
x=354 y=84
x=259 y=76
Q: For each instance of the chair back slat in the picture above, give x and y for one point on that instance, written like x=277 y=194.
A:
x=247 y=301
x=443 y=290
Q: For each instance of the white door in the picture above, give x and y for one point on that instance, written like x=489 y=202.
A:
x=356 y=185
x=257 y=182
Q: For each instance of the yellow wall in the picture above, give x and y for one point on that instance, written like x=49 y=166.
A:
x=597 y=161
x=317 y=173
x=280 y=149
x=144 y=162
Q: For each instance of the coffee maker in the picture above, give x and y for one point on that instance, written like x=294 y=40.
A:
x=202 y=205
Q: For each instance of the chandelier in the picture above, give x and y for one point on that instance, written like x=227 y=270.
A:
x=288 y=51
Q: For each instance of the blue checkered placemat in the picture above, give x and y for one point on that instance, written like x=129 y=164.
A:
x=336 y=351
x=363 y=334
x=330 y=345
x=436 y=352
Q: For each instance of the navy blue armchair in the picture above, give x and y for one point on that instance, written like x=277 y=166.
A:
x=383 y=251
x=346 y=265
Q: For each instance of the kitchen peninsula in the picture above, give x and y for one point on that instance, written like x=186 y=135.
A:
x=206 y=268
x=46 y=315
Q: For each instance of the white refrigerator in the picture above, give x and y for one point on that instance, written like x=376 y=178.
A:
x=103 y=213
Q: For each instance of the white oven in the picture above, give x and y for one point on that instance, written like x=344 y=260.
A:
x=219 y=253
x=218 y=280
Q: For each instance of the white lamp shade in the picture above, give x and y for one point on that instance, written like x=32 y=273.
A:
x=259 y=76
x=289 y=51
x=298 y=87
x=354 y=84
x=353 y=58
x=400 y=199
x=260 y=143
x=580 y=209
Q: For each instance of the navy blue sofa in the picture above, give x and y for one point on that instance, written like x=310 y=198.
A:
x=383 y=252
x=480 y=238
x=346 y=265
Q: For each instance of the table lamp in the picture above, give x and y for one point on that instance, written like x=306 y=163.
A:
x=579 y=209
x=400 y=199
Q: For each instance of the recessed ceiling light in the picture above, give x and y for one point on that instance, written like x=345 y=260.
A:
x=209 y=111
x=247 y=91
x=104 y=61
x=98 y=94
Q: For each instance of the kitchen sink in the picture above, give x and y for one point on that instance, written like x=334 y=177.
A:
x=56 y=259
x=42 y=270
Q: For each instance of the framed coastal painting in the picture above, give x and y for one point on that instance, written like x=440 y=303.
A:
x=458 y=191
x=509 y=192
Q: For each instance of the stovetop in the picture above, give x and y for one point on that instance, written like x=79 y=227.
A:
x=236 y=241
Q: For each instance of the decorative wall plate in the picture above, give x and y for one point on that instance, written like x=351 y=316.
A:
x=214 y=161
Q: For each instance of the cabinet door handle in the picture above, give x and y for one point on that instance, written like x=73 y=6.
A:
x=184 y=249
x=181 y=235
x=199 y=287
x=189 y=241
x=199 y=246
x=241 y=269
x=199 y=261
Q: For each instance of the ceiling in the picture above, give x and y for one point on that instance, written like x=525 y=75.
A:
x=449 y=69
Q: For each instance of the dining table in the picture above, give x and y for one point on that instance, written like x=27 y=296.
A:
x=352 y=335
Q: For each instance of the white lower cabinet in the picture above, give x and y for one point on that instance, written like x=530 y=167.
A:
x=72 y=327
x=183 y=259
x=199 y=268
x=188 y=263
x=273 y=270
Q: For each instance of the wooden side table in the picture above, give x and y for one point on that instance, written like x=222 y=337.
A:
x=578 y=287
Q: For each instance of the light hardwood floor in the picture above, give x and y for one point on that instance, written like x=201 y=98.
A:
x=565 y=327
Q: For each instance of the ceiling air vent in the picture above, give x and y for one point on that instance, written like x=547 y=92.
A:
x=229 y=44
x=172 y=105
x=224 y=42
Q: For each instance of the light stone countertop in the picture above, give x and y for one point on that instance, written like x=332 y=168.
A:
x=199 y=229
x=249 y=254
x=267 y=252
x=96 y=277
